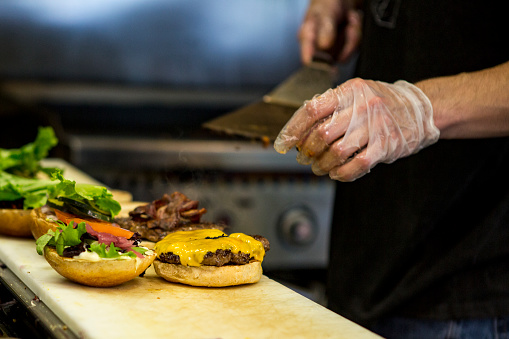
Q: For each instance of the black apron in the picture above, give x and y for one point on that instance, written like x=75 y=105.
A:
x=426 y=236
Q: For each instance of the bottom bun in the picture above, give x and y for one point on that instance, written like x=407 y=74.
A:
x=103 y=273
x=40 y=224
x=210 y=276
x=15 y=222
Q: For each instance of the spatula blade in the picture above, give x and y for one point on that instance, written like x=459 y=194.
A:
x=258 y=120
x=309 y=80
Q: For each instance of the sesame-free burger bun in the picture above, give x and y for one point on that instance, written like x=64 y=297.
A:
x=41 y=224
x=210 y=276
x=15 y=222
x=102 y=273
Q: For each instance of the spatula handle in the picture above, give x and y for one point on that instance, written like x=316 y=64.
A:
x=323 y=57
x=328 y=56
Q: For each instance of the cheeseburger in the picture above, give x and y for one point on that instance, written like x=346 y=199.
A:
x=210 y=257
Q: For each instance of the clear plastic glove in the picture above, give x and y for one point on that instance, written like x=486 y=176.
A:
x=346 y=131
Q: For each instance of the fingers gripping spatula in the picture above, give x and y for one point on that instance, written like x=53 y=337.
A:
x=265 y=118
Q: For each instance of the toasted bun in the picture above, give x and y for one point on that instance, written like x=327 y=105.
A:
x=210 y=276
x=15 y=222
x=103 y=273
x=40 y=223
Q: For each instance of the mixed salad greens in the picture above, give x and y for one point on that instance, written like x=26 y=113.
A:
x=82 y=199
x=19 y=168
x=25 y=161
x=33 y=192
x=74 y=239
x=77 y=198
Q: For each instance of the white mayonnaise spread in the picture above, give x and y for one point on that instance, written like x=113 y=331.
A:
x=92 y=256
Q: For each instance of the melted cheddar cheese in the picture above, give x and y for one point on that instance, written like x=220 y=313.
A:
x=192 y=246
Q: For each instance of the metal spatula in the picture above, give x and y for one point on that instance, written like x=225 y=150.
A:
x=258 y=120
x=264 y=119
x=315 y=78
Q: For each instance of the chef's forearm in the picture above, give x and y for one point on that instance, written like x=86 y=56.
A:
x=470 y=105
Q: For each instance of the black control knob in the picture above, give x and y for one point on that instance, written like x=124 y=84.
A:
x=297 y=226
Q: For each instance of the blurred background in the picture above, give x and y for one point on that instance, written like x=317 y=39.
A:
x=127 y=84
x=217 y=54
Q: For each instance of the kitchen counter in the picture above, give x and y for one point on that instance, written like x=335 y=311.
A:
x=150 y=307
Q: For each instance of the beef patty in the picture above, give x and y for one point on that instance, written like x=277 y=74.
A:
x=220 y=257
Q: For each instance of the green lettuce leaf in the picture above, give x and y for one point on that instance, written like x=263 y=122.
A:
x=98 y=197
x=110 y=251
x=25 y=161
x=140 y=250
x=64 y=236
x=43 y=241
x=34 y=191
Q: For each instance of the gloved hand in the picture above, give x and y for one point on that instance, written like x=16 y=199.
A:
x=333 y=26
x=346 y=131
